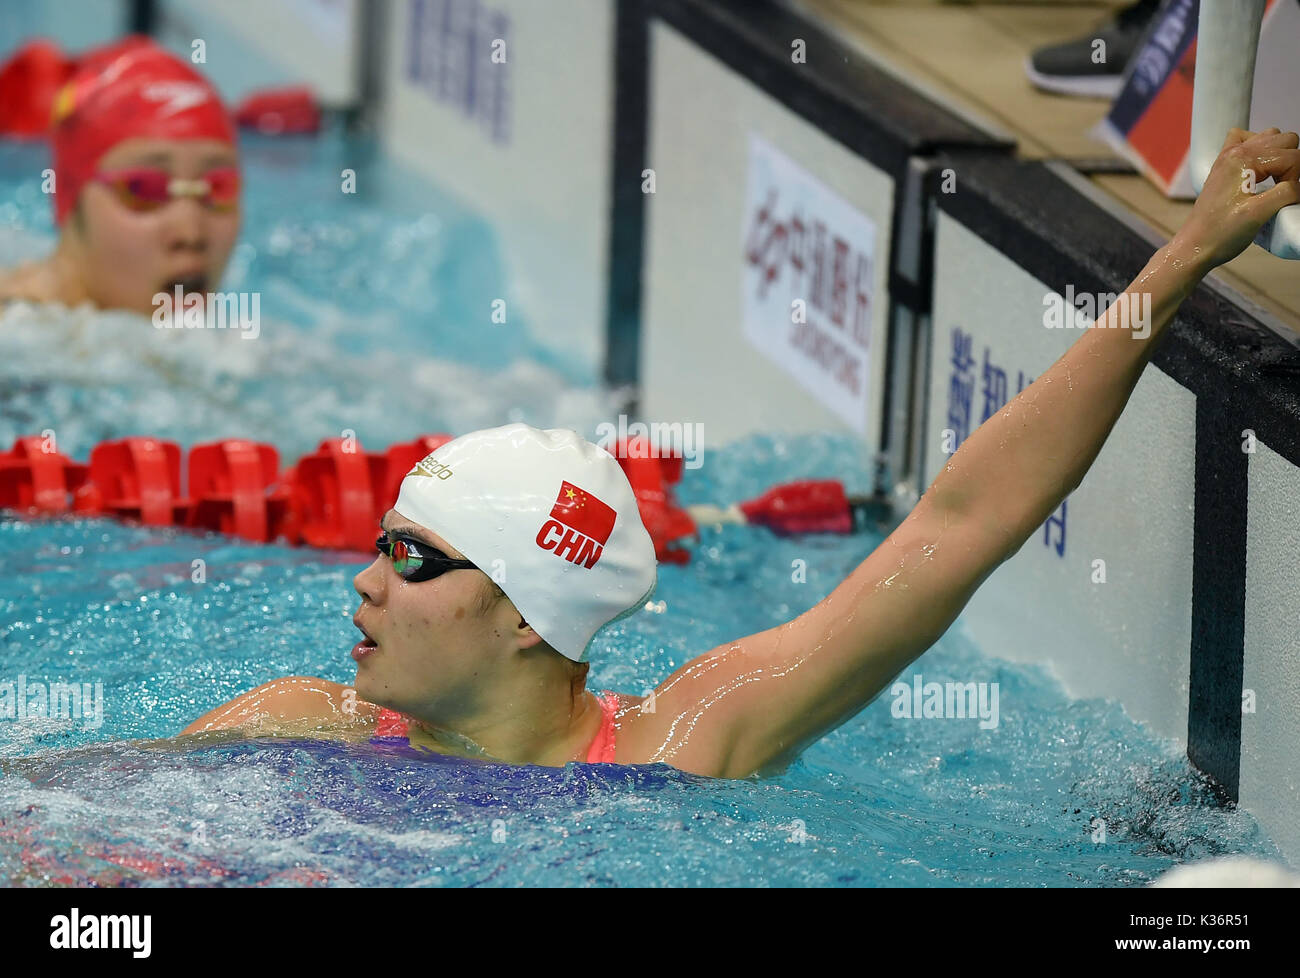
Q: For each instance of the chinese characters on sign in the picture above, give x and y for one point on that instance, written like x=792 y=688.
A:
x=808 y=277
x=458 y=52
x=961 y=395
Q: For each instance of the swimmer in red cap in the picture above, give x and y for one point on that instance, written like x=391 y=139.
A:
x=146 y=184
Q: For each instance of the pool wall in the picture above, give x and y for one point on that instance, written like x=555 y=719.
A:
x=758 y=210
x=1133 y=627
x=1193 y=504
x=251 y=44
x=723 y=195
x=525 y=141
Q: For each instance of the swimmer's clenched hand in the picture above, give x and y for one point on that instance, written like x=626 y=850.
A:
x=294 y=705
x=1232 y=205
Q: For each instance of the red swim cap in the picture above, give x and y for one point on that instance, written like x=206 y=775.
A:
x=130 y=89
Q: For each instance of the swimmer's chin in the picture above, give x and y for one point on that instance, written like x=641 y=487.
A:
x=188 y=284
x=364 y=691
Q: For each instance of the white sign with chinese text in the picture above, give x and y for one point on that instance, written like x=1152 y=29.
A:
x=808 y=259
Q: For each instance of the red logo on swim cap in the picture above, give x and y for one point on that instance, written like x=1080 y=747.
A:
x=579 y=526
x=584 y=512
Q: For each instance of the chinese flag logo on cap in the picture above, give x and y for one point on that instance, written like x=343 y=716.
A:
x=582 y=511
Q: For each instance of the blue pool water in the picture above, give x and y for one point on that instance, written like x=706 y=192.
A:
x=350 y=286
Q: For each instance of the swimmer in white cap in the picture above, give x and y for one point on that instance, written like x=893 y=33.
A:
x=455 y=663
x=453 y=660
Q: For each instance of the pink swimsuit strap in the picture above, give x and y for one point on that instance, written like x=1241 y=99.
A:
x=601 y=750
x=393 y=726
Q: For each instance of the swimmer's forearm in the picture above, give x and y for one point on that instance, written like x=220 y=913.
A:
x=1013 y=471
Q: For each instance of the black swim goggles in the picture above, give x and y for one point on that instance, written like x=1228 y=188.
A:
x=417 y=561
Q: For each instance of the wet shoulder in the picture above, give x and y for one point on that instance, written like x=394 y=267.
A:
x=650 y=729
x=31 y=282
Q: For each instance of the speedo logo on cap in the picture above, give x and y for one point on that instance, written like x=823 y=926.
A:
x=178 y=95
x=578 y=528
x=430 y=468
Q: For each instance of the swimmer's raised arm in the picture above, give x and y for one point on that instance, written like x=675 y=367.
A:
x=294 y=704
x=1014 y=470
x=753 y=705
x=750 y=707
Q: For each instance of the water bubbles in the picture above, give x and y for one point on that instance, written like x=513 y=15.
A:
x=279 y=242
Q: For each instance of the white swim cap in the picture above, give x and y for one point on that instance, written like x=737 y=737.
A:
x=558 y=514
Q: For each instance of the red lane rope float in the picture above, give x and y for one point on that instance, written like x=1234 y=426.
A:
x=280 y=111
x=335 y=497
x=650 y=476
x=32 y=478
x=234 y=490
x=805 y=506
x=29 y=81
x=332 y=498
x=137 y=479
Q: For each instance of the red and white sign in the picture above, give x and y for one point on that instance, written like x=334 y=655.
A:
x=1150 y=121
x=579 y=526
x=809 y=269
